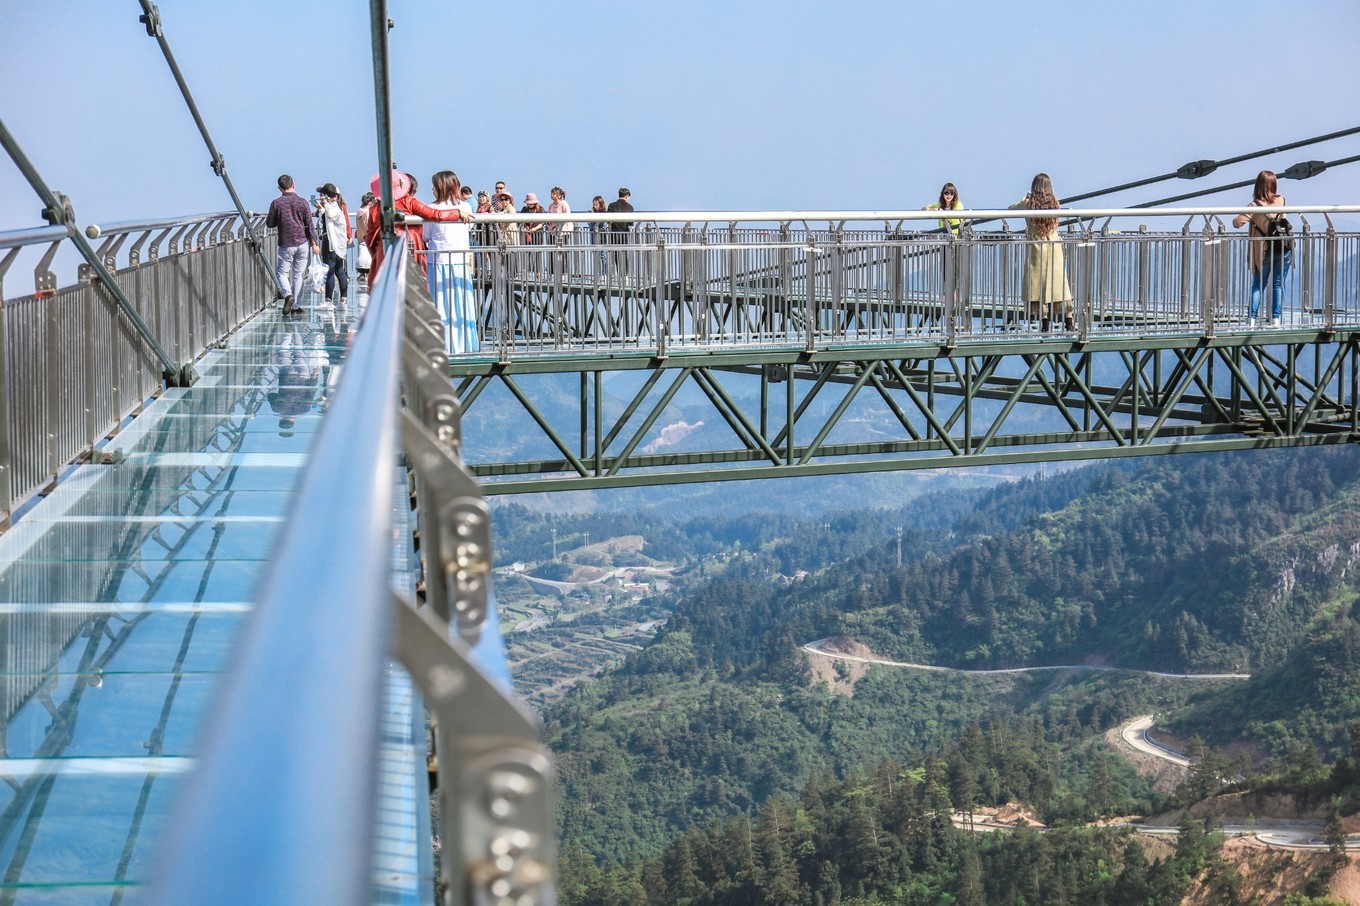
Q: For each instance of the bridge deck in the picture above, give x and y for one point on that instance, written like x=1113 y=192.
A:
x=121 y=594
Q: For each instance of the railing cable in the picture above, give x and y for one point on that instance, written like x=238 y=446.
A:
x=59 y=212
x=151 y=18
x=1301 y=170
x=1197 y=168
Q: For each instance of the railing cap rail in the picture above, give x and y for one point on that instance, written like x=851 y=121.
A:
x=837 y=216
x=94 y=231
x=33 y=236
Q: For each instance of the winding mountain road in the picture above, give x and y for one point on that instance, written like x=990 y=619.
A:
x=1300 y=835
x=1136 y=735
x=818 y=647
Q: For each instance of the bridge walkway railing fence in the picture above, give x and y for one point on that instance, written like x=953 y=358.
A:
x=71 y=366
x=688 y=283
x=264 y=819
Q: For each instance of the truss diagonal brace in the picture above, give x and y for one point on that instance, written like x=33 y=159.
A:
x=151 y=18
x=548 y=429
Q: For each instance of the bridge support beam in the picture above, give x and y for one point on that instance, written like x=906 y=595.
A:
x=719 y=417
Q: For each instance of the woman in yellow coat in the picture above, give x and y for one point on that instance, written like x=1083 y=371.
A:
x=1045 y=285
x=949 y=201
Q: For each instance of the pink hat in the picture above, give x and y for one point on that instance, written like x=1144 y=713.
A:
x=531 y=198
x=401 y=186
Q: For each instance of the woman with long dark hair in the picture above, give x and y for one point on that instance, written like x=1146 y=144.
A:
x=949 y=201
x=1046 y=291
x=363 y=260
x=1268 y=257
x=336 y=235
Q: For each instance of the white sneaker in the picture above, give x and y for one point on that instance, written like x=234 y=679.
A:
x=1251 y=323
x=1274 y=322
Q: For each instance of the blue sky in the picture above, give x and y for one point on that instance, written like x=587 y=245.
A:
x=697 y=105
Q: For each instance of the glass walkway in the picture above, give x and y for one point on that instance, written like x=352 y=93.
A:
x=121 y=595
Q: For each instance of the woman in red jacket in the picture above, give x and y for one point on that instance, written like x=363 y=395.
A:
x=403 y=193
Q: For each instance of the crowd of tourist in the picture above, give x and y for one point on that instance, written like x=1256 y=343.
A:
x=446 y=236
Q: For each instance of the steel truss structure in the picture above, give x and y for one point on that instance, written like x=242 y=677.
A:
x=796 y=413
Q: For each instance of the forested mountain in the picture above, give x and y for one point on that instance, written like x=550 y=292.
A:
x=1226 y=562
x=885 y=836
x=1206 y=563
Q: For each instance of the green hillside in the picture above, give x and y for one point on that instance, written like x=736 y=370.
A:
x=1218 y=563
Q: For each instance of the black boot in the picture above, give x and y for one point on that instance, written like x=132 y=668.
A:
x=1068 y=324
x=1044 y=325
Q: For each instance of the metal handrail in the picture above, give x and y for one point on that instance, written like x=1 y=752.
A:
x=728 y=284
x=267 y=821
x=15 y=239
x=97 y=231
x=281 y=809
x=60 y=212
x=965 y=214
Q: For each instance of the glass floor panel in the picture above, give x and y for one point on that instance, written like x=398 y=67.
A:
x=122 y=595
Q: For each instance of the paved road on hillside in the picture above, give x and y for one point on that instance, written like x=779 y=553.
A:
x=817 y=647
x=1301 y=835
x=1135 y=734
x=568 y=587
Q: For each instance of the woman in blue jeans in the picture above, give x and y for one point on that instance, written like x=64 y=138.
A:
x=1269 y=258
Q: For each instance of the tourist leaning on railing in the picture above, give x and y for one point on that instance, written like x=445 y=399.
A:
x=447 y=267
x=949 y=201
x=1269 y=256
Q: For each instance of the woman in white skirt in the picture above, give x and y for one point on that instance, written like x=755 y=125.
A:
x=447 y=267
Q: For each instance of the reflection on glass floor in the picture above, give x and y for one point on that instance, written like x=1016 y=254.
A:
x=121 y=594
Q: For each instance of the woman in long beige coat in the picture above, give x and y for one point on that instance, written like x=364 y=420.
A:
x=1045 y=285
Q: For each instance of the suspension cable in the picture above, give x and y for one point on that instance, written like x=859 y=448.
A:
x=1301 y=170
x=1196 y=169
x=151 y=18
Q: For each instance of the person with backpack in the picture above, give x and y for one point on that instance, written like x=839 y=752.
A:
x=1270 y=251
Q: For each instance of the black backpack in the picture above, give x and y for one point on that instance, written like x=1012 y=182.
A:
x=1280 y=234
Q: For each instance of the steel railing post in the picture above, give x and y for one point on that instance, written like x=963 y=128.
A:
x=1189 y=248
x=1088 y=276
x=660 y=307
x=950 y=315
x=810 y=303
x=1330 y=278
